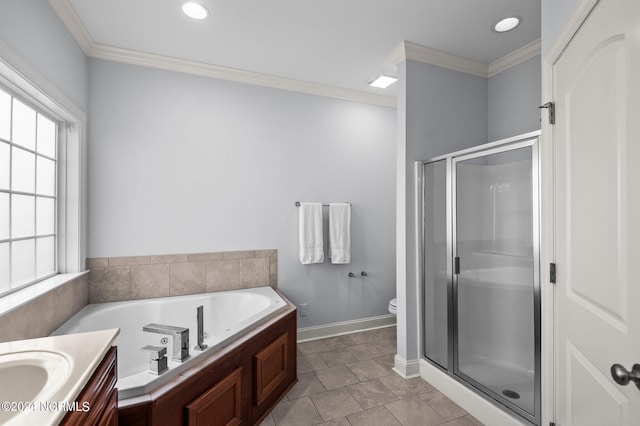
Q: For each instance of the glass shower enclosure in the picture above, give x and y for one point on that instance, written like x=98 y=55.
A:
x=480 y=272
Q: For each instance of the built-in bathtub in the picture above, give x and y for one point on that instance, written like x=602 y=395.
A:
x=228 y=315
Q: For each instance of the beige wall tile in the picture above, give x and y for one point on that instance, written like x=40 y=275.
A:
x=264 y=253
x=273 y=263
x=41 y=316
x=80 y=292
x=150 y=281
x=238 y=254
x=15 y=325
x=204 y=257
x=101 y=262
x=223 y=275
x=109 y=285
x=254 y=272
x=169 y=258
x=188 y=278
x=129 y=260
x=273 y=280
x=63 y=304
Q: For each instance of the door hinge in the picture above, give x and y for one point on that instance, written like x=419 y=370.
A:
x=552 y=111
x=456 y=265
x=552 y=273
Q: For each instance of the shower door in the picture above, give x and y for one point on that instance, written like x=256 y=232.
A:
x=495 y=274
x=480 y=271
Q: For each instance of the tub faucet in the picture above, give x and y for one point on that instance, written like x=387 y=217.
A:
x=157 y=359
x=180 y=339
x=200 y=314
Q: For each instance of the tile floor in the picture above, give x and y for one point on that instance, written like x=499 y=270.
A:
x=347 y=380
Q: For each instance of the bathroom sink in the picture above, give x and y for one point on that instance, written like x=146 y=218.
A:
x=30 y=376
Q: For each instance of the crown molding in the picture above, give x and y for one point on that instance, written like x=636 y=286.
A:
x=71 y=20
x=416 y=52
x=429 y=55
x=514 y=58
x=151 y=60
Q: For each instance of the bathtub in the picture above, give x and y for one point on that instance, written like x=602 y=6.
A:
x=227 y=316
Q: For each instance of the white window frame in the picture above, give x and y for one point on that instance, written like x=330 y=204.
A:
x=28 y=84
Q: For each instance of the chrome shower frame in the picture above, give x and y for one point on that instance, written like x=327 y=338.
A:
x=522 y=141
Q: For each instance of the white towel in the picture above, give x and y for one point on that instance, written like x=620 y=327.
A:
x=311 y=249
x=340 y=232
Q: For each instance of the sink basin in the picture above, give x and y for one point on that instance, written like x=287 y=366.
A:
x=33 y=375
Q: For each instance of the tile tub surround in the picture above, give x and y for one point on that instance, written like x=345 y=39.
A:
x=342 y=384
x=114 y=279
x=40 y=316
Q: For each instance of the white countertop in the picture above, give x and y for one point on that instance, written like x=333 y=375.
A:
x=79 y=354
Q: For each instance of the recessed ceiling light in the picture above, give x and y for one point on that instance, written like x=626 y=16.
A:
x=382 y=81
x=507 y=24
x=195 y=10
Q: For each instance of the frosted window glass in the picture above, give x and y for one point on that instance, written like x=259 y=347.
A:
x=23 y=171
x=22 y=216
x=45 y=216
x=5 y=116
x=24 y=125
x=5 y=269
x=46 y=179
x=46 y=136
x=4 y=216
x=23 y=264
x=45 y=255
x=4 y=165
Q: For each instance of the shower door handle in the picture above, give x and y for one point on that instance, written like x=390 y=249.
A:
x=622 y=377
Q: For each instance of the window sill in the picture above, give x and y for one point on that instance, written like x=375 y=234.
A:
x=21 y=297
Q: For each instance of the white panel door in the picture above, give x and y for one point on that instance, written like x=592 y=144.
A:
x=596 y=88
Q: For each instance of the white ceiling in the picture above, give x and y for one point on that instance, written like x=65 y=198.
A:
x=340 y=43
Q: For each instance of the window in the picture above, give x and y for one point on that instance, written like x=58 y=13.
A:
x=28 y=194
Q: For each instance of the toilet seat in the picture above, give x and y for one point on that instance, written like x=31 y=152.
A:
x=393 y=306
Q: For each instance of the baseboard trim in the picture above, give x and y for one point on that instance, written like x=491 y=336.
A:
x=470 y=401
x=346 y=327
x=406 y=369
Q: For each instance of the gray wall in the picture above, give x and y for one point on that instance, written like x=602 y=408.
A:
x=32 y=29
x=514 y=97
x=554 y=14
x=441 y=111
x=183 y=164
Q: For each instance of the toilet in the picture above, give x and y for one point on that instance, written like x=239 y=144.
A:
x=393 y=306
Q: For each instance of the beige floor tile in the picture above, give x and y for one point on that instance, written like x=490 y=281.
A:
x=443 y=405
x=378 y=416
x=308 y=384
x=367 y=370
x=339 y=342
x=268 y=421
x=337 y=357
x=299 y=412
x=335 y=404
x=467 y=420
x=337 y=422
x=364 y=337
x=313 y=346
x=309 y=363
x=387 y=361
x=365 y=351
x=414 y=412
x=371 y=394
x=405 y=388
x=336 y=377
x=386 y=346
x=385 y=333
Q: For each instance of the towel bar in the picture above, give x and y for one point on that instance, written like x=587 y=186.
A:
x=323 y=204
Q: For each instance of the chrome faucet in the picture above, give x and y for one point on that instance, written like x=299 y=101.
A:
x=180 y=339
x=200 y=314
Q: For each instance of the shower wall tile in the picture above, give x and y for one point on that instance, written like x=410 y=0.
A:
x=149 y=281
x=188 y=278
x=135 y=277
x=42 y=315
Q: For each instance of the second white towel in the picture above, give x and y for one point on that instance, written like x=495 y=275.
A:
x=340 y=232
x=311 y=247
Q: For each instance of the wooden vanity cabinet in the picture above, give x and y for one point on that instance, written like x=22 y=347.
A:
x=100 y=394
